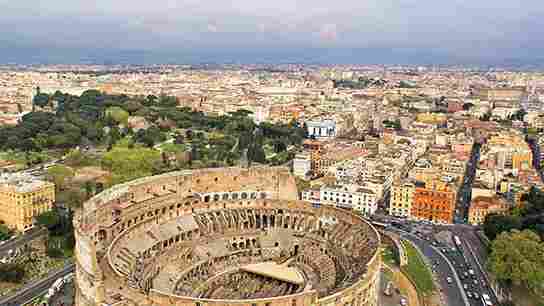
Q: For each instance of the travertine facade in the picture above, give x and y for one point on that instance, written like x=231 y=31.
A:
x=221 y=237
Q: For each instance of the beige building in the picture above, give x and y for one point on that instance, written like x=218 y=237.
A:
x=22 y=197
x=483 y=206
x=402 y=194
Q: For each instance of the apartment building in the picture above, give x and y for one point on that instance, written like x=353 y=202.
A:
x=321 y=128
x=402 y=195
x=302 y=165
x=353 y=197
x=481 y=206
x=22 y=197
x=434 y=202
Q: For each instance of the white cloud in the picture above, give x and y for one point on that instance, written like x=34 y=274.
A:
x=212 y=28
x=328 y=32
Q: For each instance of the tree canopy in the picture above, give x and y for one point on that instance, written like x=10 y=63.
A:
x=518 y=256
x=41 y=99
x=5 y=232
x=117 y=114
x=60 y=175
x=128 y=164
x=496 y=224
x=12 y=272
x=49 y=219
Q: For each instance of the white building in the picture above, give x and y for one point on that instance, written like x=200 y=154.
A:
x=302 y=165
x=350 y=197
x=322 y=128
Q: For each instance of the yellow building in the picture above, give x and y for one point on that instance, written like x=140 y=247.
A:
x=402 y=194
x=22 y=197
x=522 y=160
x=512 y=151
x=431 y=118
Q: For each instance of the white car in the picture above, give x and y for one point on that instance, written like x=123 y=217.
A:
x=449 y=280
x=486 y=299
x=403 y=302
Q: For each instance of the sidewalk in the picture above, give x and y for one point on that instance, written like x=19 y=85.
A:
x=405 y=286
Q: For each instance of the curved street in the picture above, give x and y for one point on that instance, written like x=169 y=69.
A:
x=36 y=288
x=448 y=260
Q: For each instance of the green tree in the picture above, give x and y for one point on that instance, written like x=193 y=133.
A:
x=117 y=114
x=133 y=106
x=75 y=158
x=5 y=232
x=74 y=198
x=12 y=272
x=128 y=164
x=150 y=137
x=49 y=219
x=150 y=100
x=41 y=99
x=496 y=224
x=518 y=256
x=89 y=188
x=60 y=175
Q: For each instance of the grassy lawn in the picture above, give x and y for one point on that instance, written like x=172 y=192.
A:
x=389 y=256
x=173 y=148
x=417 y=271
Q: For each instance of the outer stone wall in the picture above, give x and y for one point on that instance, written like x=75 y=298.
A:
x=211 y=204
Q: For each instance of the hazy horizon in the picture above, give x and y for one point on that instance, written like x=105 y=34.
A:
x=244 y=31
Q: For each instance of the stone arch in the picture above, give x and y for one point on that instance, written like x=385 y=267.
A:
x=102 y=234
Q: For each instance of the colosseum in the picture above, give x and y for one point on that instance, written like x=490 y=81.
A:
x=221 y=237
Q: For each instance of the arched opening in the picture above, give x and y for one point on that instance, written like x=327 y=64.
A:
x=102 y=235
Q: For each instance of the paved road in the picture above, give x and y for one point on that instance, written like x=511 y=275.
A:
x=472 y=254
x=465 y=192
x=442 y=270
x=21 y=241
x=36 y=288
x=474 y=257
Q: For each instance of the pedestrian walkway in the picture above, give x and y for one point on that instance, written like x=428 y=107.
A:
x=406 y=288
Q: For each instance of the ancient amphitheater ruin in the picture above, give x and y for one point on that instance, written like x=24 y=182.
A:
x=233 y=236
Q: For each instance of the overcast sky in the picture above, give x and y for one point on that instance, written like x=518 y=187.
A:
x=466 y=29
